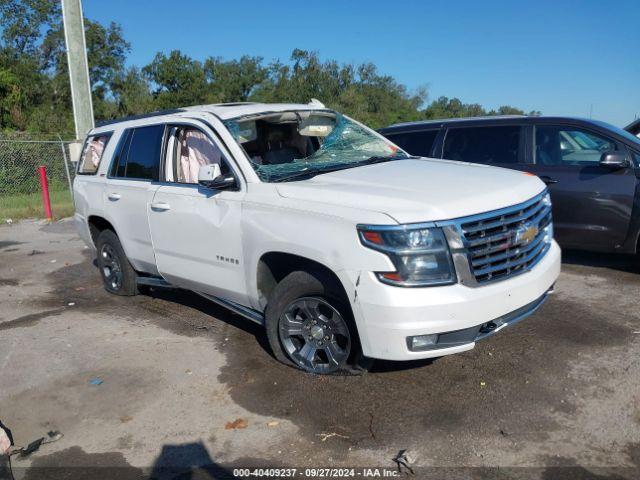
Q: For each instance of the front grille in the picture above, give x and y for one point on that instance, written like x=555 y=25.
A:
x=505 y=243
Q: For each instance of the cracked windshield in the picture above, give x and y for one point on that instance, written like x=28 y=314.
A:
x=295 y=145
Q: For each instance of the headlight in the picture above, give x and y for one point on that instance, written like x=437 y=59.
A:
x=420 y=254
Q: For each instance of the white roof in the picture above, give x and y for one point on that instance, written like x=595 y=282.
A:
x=232 y=110
x=224 y=111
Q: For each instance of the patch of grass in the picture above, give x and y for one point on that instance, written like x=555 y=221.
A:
x=21 y=206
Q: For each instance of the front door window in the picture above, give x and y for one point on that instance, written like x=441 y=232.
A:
x=565 y=146
x=188 y=149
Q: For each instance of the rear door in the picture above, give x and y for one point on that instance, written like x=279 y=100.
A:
x=88 y=186
x=496 y=145
x=129 y=190
x=591 y=203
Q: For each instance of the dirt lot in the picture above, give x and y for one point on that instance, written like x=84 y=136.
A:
x=557 y=396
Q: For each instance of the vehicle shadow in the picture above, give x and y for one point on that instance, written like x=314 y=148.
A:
x=185 y=462
x=621 y=262
x=389 y=366
x=193 y=300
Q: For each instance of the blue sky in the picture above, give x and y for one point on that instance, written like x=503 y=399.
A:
x=560 y=57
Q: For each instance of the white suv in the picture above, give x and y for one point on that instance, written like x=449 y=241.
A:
x=301 y=219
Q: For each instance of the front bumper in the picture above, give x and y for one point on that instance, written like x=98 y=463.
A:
x=386 y=316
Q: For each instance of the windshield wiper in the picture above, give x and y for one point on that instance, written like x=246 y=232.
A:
x=312 y=173
x=381 y=159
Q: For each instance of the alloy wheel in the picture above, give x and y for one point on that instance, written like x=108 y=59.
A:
x=314 y=335
x=111 y=269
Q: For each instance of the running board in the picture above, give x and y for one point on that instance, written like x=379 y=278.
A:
x=152 y=282
x=246 y=312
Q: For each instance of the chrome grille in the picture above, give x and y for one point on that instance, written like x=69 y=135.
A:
x=506 y=242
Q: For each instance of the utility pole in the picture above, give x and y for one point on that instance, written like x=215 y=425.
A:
x=78 y=66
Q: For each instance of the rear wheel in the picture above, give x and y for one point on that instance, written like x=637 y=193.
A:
x=117 y=274
x=309 y=325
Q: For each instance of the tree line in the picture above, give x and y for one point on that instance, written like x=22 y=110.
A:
x=35 y=94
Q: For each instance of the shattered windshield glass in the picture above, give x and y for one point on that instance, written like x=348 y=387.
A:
x=293 y=145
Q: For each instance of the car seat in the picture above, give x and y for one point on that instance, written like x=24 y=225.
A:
x=277 y=151
x=548 y=147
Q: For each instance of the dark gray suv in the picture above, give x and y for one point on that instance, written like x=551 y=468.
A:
x=591 y=168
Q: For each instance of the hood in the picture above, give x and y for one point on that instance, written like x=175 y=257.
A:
x=419 y=190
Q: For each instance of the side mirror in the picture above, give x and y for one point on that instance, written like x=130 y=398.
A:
x=210 y=176
x=614 y=160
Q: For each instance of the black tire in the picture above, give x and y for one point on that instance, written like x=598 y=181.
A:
x=314 y=286
x=635 y=261
x=117 y=274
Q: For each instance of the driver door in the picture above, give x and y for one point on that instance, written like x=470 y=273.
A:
x=591 y=203
x=196 y=230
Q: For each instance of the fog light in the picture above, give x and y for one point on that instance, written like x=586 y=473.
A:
x=422 y=342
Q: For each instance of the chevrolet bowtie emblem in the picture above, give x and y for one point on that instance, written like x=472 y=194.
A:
x=526 y=233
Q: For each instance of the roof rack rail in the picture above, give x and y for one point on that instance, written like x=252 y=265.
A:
x=158 y=113
x=232 y=104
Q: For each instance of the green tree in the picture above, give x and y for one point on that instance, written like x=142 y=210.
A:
x=33 y=49
x=234 y=80
x=23 y=21
x=178 y=79
x=132 y=94
x=444 y=107
x=35 y=93
x=357 y=90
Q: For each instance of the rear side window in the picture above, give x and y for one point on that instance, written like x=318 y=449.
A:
x=92 y=154
x=139 y=156
x=416 y=143
x=483 y=144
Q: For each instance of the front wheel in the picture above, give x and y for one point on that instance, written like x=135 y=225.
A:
x=310 y=326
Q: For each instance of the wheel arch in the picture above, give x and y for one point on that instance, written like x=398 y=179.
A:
x=274 y=266
x=97 y=224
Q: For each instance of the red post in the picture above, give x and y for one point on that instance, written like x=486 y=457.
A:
x=44 y=185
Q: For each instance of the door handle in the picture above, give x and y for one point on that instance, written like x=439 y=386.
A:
x=160 y=207
x=114 y=197
x=547 y=179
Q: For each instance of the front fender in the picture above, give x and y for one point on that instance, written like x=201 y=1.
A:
x=326 y=239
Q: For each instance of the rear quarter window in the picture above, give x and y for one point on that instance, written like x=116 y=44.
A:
x=92 y=153
x=416 y=143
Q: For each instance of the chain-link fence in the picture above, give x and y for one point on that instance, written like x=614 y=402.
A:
x=20 y=156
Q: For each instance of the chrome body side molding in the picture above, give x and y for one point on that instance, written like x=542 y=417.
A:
x=246 y=312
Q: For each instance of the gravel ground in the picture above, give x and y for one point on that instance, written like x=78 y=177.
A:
x=187 y=385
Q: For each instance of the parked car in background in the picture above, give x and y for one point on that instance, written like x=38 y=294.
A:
x=590 y=167
x=318 y=228
x=634 y=128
